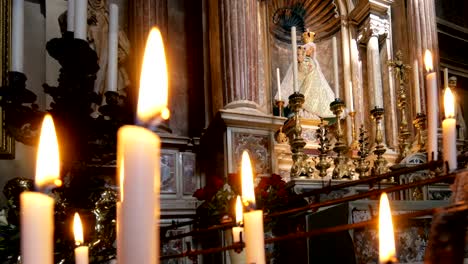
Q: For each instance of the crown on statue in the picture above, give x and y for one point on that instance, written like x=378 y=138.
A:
x=308 y=36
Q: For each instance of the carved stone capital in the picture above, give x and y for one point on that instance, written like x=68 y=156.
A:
x=371 y=18
x=374 y=26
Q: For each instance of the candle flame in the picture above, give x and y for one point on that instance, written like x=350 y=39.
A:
x=248 y=194
x=428 y=60
x=387 y=251
x=78 y=230
x=449 y=103
x=152 y=99
x=239 y=211
x=48 y=159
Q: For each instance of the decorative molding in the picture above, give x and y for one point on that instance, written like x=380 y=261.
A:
x=374 y=26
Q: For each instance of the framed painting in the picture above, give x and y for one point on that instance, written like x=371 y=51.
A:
x=7 y=143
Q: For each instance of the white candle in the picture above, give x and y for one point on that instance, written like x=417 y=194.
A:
x=238 y=230
x=37 y=209
x=446 y=80
x=278 y=83
x=387 y=253
x=81 y=19
x=335 y=67
x=417 y=92
x=113 y=48
x=139 y=149
x=81 y=252
x=70 y=15
x=351 y=99
x=449 y=131
x=17 y=36
x=432 y=107
x=294 y=52
x=253 y=219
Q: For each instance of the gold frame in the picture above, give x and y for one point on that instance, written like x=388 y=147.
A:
x=7 y=143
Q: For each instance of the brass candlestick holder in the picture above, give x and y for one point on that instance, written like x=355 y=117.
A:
x=420 y=124
x=380 y=164
x=280 y=105
x=341 y=169
x=362 y=164
x=324 y=147
x=354 y=144
x=301 y=166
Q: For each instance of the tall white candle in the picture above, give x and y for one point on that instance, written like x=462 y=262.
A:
x=351 y=99
x=17 y=36
x=449 y=131
x=138 y=153
x=81 y=252
x=294 y=52
x=81 y=19
x=446 y=80
x=417 y=92
x=113 y=48
x=432 y=107
x=335 y=68
x=37 y=209
x=70 y=15
x=253 y=219
x=278 y=83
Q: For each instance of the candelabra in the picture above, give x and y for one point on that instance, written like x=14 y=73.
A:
x=380 y=163
x=322 y=136
x=341 y=169
x=280 y=106
x=301 y=166
x=362 y=165
x=354 y=144
x=420 y=124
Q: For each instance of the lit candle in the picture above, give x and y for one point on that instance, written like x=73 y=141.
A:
x=81 y=252
x=449 y=131
x=17 y=36
x=139 y=149
x=432 y=107
x=278 y=83
x=335 y=68
x=387 y=253
x=294 y=52
x=446 y=81
x=253 y=219
x=417 y=92
x=81 y=19
x=37 y=209
x=112 y=57
x=238 y=230
x=70 y=15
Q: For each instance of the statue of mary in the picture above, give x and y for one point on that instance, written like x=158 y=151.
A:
x=311 y=81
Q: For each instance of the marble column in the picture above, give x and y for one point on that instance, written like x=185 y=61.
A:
x=239 y=53
x=345 y=42
x=422 y=30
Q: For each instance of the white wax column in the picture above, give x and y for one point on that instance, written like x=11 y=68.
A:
x=236 y=234
x=37 y=228
x=113 y=48
x=432 y=115
x=81 y=255
x=351 y=99
x=139 y=238
x=335 y=68
x=449 y=140
x=17 y=36
x=118 y=212
x=294 y=52
x=278 y=83
x=417 y=92
x=71 y=15
x=446 y=81
x=254 y=237
x=81 y=19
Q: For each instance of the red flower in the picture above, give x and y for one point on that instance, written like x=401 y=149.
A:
x=200 y=194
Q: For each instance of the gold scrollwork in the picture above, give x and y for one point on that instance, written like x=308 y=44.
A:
x=7 y=143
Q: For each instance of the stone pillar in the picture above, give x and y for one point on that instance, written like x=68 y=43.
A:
x=238 y=34
x=345 y=44
x=423 y=35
